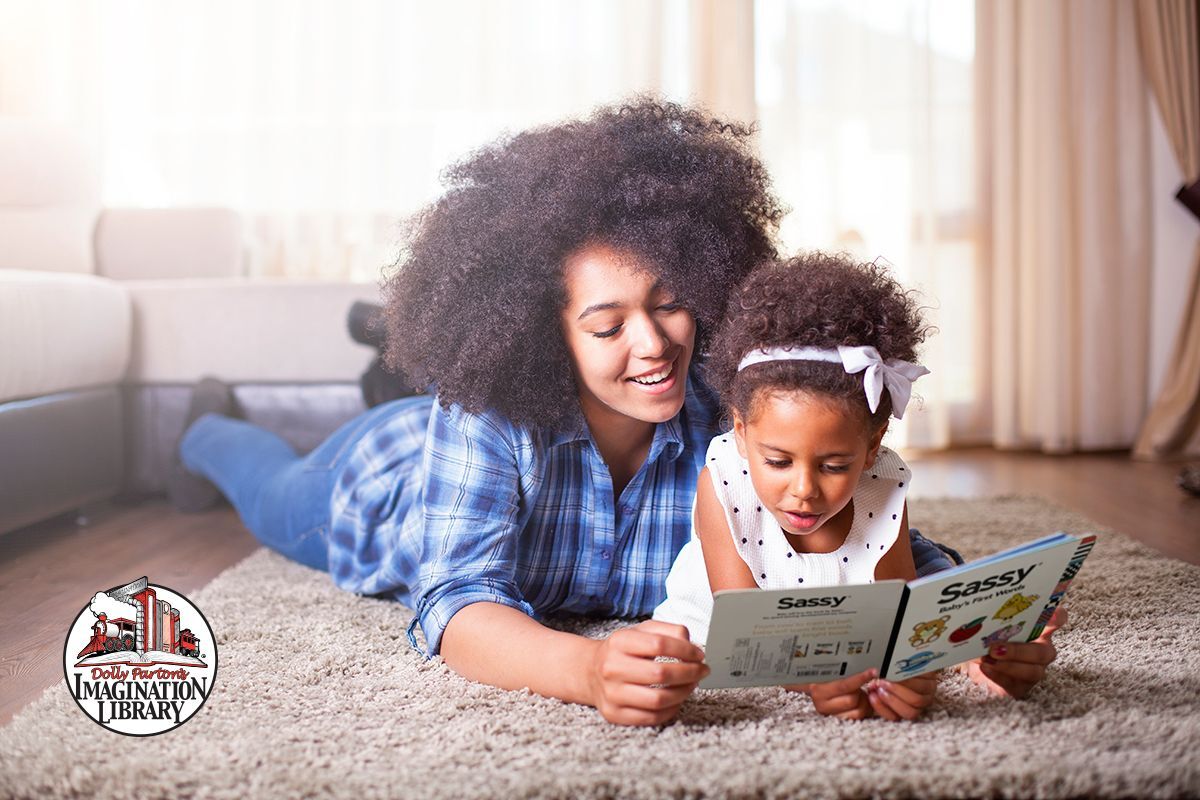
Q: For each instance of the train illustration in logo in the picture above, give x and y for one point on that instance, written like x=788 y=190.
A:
x=154 y=628
x=113 y=635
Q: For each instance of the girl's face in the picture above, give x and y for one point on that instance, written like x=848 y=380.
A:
x=806 y=454
x=630 y=343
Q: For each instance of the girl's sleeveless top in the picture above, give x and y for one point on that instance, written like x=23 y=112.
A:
x=878 y=509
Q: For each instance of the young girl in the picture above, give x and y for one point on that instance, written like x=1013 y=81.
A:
x=814 y=357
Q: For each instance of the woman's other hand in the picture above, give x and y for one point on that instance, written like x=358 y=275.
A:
x=630 y=687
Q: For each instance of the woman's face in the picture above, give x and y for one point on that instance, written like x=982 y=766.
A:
x=630 y=343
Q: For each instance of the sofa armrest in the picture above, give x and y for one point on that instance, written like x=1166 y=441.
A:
x=158 y=243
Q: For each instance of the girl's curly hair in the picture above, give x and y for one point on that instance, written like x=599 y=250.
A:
x=813 y=300
x=473 y=301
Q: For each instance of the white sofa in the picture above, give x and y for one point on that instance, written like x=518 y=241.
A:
x=107 y=316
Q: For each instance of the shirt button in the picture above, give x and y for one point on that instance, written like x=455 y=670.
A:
x=605 y=554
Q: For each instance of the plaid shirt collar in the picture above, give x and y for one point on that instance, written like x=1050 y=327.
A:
x=668 y=435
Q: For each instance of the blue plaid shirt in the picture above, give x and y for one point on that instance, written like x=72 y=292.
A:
x=439 y=508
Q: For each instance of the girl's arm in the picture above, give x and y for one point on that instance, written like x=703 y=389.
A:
x=898 y=561
x=498 y=645
x=725 y=567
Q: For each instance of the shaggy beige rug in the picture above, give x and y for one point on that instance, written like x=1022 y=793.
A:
x=318 y=695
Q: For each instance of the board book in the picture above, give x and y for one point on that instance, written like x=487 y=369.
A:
x=775 y=637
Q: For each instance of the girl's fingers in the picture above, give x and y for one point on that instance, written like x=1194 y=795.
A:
x=1057 y=621
x=1037 y=652
x=1012 y=672
x=846 y=686
x=907 y=706
x=882 y=709
x=917 y=696
x=838 y=704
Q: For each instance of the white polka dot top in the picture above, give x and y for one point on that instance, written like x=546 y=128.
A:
x=878 y=509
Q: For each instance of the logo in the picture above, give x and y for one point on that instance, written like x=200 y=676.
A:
x=140 y=659
x=807 y=602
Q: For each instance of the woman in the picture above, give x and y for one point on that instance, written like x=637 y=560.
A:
x=557 y=295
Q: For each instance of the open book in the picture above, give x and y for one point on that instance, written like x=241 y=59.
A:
x=781 y=636
x=134 y=658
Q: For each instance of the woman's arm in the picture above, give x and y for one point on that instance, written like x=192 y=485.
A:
x=501 y=646
x=726 y=569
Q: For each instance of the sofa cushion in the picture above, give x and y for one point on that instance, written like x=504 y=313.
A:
x=49 y=198
x=60 y=331
x=153 y=243
x=245 y=330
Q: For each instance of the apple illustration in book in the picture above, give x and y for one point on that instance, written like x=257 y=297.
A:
x=967 y=631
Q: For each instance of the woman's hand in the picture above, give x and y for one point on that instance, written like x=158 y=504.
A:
x=629 y=687
x=843 y=698
x=1014 y=668
x=907 y=699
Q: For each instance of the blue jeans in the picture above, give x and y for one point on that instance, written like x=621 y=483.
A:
x=929 y=556
x=282 y=497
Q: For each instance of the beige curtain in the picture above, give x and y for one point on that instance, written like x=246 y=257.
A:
x=721 y=65
x=1065 y=226
x=1169 y=34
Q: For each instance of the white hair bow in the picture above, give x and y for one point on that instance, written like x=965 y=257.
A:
x=895 y=375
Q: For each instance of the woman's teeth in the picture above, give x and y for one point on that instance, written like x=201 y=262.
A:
x=650 y=380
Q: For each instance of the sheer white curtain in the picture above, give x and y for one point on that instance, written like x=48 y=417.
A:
x=867 y=119
x=322 y=122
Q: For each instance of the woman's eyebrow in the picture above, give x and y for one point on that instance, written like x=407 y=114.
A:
x=592 y=309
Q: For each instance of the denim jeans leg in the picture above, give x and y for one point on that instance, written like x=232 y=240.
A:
x=282 y=498
x=261 y=475
x=929 y=556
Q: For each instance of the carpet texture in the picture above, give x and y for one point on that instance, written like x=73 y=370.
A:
x=318 y=694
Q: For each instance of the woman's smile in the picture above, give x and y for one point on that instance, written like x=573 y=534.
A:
x=656 y=381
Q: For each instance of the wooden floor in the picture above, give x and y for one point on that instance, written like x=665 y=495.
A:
x=49 y=572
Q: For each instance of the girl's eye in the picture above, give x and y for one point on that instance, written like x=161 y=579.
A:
x=605 y=334
x=837 y=468
x=777 y=463
x=669 y=307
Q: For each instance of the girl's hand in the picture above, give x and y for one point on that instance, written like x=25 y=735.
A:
x=1014 y=668
x=629 y=687
x=844 y=698
x=907 y=699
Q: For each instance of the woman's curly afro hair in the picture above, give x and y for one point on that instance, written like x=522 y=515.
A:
x=474 y=299
x=813 y=300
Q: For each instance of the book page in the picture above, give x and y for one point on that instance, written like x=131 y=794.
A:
x=957 y=615
x=783 y=636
